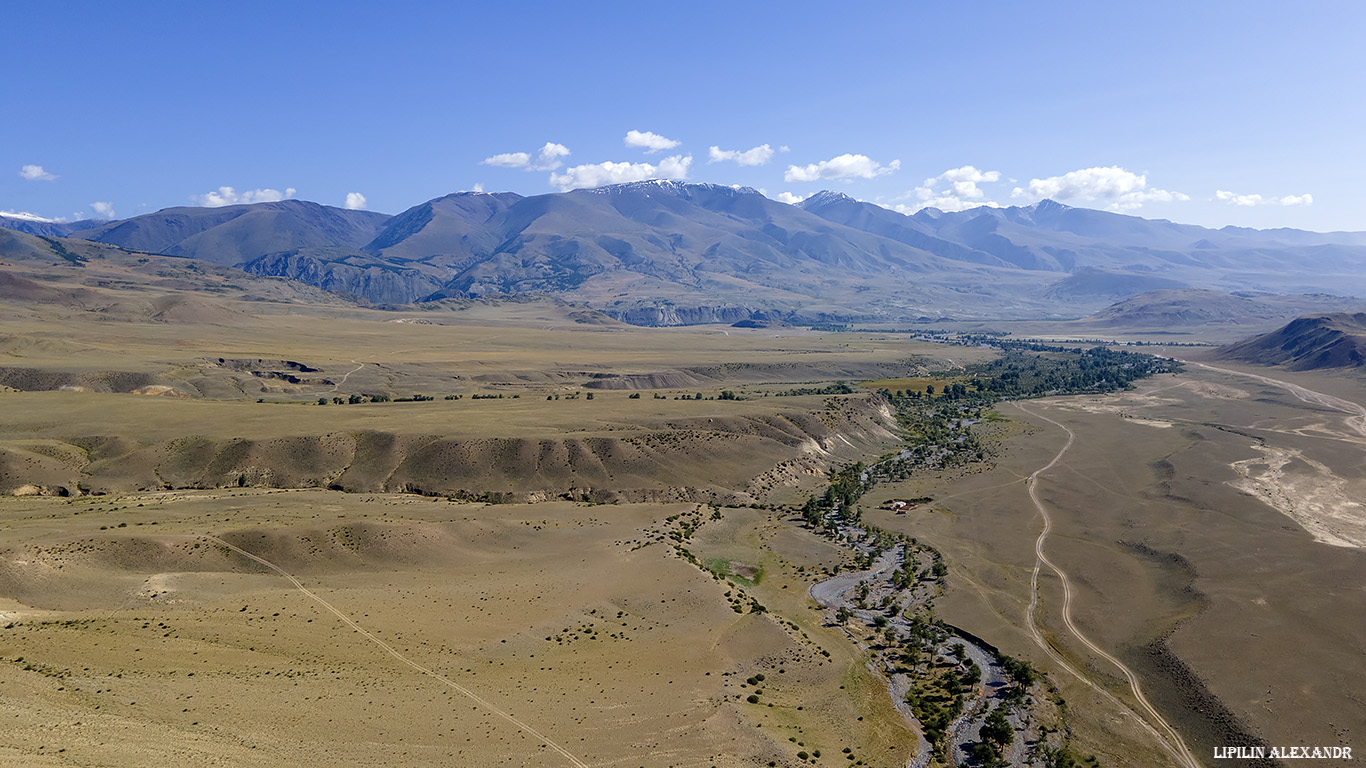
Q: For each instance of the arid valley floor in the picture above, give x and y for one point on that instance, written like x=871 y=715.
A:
x=201 y=564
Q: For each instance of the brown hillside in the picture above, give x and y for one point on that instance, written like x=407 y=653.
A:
x=1333 y=340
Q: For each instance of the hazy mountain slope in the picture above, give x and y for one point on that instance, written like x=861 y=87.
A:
x=703 y=237
x=45 y=228
x=667 y=252
x=1160 y=309
x=447 y=230
x=1089 y=284
x=840 y=208
x=118 y=284
x=1048 y=236
x=238 y=233
x=351 y=273
x=1332 y=340
x=17 y=245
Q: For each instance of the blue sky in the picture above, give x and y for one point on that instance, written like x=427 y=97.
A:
x=1246 y=113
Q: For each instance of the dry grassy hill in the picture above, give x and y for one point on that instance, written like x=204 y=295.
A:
x=1333 y=340
x=127 y=371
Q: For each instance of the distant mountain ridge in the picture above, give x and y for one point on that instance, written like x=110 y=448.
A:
x=1192 y=307
x=667 y=252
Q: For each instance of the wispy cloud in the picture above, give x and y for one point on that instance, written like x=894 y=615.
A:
x=844 y=166
x=650 y=142
x=508 y=160
x=760 y=155
x=104 y=210
x=1248 y=201
x=547 y=158
x=1123 y=190
x=230 y=196
x=36 y=173
x=602 y=174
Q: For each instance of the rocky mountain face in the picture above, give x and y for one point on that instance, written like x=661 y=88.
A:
x=669 y=252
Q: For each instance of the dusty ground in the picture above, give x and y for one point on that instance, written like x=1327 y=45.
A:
x=1237 y=615
x=150 y=644
x=1210 y=524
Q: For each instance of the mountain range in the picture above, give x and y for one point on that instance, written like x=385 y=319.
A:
x=668 y=252
x=1205 y=308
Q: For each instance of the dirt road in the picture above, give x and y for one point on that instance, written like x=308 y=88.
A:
x=348 y=375
x=1356 y=419
x=1162 y=731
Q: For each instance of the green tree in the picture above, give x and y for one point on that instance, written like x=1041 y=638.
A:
x=997 y=730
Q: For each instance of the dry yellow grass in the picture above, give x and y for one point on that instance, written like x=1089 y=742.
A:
x=148 y=643
x=135 y=640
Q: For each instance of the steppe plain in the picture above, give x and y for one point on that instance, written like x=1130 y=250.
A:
x=511 y=562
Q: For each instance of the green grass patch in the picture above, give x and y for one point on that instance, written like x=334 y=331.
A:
x=744 y=573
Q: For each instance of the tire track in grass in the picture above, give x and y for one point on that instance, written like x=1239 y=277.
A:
x=471 y=695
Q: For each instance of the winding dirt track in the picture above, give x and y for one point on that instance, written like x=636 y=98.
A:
x=1356 y=414
x=390 y=650
x=1163 y=732
x=359 y=366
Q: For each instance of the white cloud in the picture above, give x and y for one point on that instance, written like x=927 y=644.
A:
x=845 y=166
x=104 y=210
x=675 y=167
x=508 y=160
x=967 y=174
x=1125 y=190
x=760 y=155
x=1248 y=201
x=789 y=198
x=355 y=201
x=650 y=142
x=547 y=158
x=26 y=216
x=36 y=173
x=229 y=196
x=953 y=190
x=478 y=187
x=602 y=174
